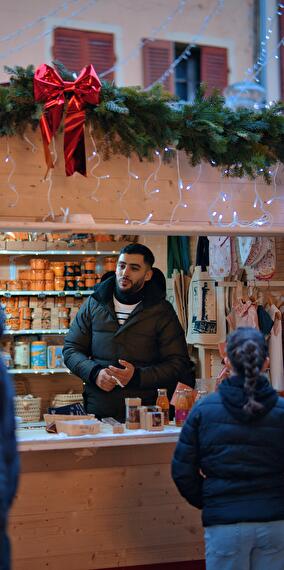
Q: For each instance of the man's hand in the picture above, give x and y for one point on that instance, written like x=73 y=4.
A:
x=105 y=380
x=122 y=375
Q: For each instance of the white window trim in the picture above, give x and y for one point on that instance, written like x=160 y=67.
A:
x=94 y=26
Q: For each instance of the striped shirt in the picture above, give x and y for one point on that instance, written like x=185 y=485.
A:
x=123 y=311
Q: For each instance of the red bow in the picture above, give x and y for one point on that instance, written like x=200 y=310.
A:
x=49 y=88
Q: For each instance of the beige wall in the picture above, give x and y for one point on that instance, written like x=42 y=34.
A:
x=129 y=20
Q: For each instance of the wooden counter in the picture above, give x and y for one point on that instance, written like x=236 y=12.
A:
x=100 y=502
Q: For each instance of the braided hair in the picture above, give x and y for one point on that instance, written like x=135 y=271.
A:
x=247 y=351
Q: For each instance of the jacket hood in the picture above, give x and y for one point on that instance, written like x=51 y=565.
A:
x=234 y=397
x=153 y=294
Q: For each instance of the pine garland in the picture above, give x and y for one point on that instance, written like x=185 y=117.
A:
x=129 y=120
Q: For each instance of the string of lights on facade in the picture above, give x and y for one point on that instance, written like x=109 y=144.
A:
x=187 y=51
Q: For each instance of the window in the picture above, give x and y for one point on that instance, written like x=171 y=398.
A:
x=207 y=64
x=187 y=73
x=77 y=48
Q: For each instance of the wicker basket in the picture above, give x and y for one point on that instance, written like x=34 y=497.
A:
x=28 y=408
x=66 y=399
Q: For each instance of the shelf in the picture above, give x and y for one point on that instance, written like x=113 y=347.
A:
x=37 y=331
x=5 y=293
x=44 y=252
x=42 y=371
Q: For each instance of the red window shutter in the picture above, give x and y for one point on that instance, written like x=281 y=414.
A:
x=213 y=68
x=77 y=48
x=157 y=57
x=281 y=33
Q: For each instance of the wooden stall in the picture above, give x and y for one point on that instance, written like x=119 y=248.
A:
x=103 y=502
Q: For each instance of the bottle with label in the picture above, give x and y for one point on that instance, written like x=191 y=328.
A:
x=163 y=402
x=182 y=407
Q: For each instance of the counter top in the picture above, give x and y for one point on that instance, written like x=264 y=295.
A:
x=34 y=437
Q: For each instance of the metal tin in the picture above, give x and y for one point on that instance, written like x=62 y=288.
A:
x=38 y=354
x=54 y=356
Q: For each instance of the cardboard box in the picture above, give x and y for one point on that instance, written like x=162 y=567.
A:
x=56 y=245
x=110 y=246
x=26 y=245
x=77 y=427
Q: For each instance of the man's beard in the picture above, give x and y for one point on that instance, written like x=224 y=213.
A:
x=134 y=287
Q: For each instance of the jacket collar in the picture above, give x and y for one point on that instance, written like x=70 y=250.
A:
x=234 y=397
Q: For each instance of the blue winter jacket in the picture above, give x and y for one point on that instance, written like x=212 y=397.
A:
x=229 y=464
x=9 y=460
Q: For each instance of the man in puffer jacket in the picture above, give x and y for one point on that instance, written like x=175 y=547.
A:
x=229 y=462
x=126 y=340
x=9 y=460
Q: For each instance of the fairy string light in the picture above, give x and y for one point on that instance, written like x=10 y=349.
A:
x=187 y=51
x=274 y=185
x=154 y=33
x=97 y=157
x=48 y=180
x=32 y=145
x=45 y=33
x=183 y=186
x=223 y=207
x=39 y=20
x=122 y=194
x=9 y=160
x=153 y=175
x=263 y=58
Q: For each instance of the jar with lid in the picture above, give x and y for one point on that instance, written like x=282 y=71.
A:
x=132 y=413
x=182 y=407
x=163 y=402
x=22 y=354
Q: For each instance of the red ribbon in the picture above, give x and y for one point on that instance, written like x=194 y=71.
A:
x=49 y=89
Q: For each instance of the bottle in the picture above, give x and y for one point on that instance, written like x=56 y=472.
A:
x=163 y=402
x=182 y=407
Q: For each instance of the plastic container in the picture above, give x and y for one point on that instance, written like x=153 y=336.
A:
x=79 y=283
x=38 y=354
x=38 y=263
x=110 y=263
x=59 y=283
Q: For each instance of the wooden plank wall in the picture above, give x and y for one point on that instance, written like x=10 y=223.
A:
x=111 y=507
x=117 y=198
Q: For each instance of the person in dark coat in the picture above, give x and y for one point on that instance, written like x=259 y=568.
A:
x=229 y=462
x=9 y=460
x=126 y=340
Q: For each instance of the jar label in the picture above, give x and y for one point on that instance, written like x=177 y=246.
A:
x=180 y=416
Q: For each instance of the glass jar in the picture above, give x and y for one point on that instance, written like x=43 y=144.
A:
x=132 y=413
x=182 y=407
x=163 y=402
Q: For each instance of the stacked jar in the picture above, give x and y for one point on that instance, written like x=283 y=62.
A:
x=58 y=269
x=37 y=273
x=89 y=272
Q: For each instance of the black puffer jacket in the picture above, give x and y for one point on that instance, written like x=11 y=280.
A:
x=241 y=457
x=152 y=339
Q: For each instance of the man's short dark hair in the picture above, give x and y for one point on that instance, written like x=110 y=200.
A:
x=140 y=249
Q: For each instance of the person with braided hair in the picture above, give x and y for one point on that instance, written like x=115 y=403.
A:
x=229 y=462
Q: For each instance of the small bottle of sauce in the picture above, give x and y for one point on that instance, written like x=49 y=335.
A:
x=182 y=407
x=163 y=402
